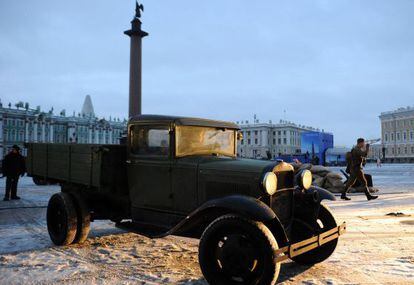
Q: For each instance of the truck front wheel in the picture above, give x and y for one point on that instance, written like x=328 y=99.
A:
x=302 y=229
x=61 y=219
x=236 y=250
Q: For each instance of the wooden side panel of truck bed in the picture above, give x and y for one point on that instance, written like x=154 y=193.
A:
x=85 y=164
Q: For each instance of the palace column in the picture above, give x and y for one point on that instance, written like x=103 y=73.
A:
x=1 y=138
x=26 y=131
x=96 y=135
x=135 y=64
x=35 y=130
x=43 y=137
x=90 y=134
x=51 y=130
x=110 y=136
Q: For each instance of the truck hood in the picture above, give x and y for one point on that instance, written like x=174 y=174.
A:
x=224 y=164
x=220 y=176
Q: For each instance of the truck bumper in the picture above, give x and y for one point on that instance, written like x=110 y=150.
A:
x=309 y=244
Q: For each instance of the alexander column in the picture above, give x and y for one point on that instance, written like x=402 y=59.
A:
x=135 y=65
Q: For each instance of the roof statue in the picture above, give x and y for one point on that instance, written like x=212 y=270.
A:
x=138 y=9
x=87 y=109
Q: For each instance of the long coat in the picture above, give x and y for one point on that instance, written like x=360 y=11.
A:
x=14 y=165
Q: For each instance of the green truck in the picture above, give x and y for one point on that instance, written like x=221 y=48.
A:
x=181 y=176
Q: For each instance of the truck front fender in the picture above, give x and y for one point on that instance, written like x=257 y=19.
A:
x=243 y=205
x=195 y=223
x=323 y=194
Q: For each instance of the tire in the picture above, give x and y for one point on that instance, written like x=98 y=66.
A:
x=61 y=219
x=302 y=230
x=236 y=250
x=83 y=219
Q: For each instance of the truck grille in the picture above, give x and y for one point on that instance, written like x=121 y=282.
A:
x=285 y=179
x=282 y=205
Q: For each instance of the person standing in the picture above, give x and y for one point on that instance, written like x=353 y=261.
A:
x=14 y=166
x=355 y=166
x=378 y=162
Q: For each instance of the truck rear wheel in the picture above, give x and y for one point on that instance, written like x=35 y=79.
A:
x=236 y=250
x=303 y=230
x=61 y=219
x=83 y=219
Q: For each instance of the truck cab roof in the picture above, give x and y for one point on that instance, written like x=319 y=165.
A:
x=183 y=121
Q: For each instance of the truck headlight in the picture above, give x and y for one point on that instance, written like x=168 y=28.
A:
x=270 y=183
x=305 y=179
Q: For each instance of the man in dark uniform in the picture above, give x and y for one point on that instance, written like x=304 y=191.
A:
x=13 y=167
x=355 y=165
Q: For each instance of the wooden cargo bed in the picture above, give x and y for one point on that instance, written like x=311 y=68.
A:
x=94 y=166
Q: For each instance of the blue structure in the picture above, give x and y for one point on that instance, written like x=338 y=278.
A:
x=314 y=145
x=336 y=156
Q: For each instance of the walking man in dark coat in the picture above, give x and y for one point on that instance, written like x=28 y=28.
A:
x=13 y=167
x=355 y=169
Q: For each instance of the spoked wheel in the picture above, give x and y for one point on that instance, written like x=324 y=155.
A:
x=235 y=250
x=302 y=229
x=61 y=219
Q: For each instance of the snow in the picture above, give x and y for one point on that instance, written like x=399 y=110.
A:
x=377 y=249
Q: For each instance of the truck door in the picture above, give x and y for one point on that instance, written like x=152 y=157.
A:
x=149 y=172
x=184 y=184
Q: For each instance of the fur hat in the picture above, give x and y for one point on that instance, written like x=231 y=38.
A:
x=16 y=147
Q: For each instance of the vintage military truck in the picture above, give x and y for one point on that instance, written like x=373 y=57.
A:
x=181 y=176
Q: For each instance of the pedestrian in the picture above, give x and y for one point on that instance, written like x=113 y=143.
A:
x=378 y=162
x=13 y=167
x=355 y=163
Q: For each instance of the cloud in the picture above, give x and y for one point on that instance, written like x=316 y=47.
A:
x=331 y=64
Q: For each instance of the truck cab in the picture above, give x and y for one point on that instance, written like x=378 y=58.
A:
x=177 y=164
x=181 y=176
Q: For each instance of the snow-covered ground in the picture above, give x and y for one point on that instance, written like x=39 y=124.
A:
x=377 y=249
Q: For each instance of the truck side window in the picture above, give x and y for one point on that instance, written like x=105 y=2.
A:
x=150 y=140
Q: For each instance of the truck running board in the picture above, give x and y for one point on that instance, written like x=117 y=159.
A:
x=146 y=230
x=309 y=244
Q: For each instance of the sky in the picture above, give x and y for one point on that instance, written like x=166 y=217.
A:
x=334 y=65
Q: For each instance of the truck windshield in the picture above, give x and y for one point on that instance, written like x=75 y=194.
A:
x=191 y=140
